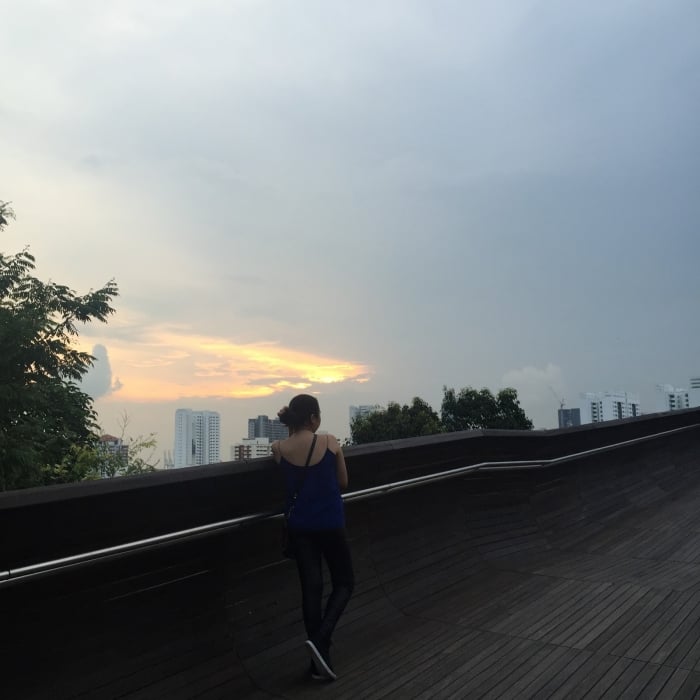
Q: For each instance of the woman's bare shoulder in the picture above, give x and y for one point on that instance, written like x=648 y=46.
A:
x=333 y=444
x=276 y=449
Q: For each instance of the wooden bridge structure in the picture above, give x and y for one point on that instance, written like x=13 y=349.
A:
x=489 y=564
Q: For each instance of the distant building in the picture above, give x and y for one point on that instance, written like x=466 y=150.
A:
x=598 y=407
x=114 y=446
x=670 y=398
x=250 y=448
x=264 y=427
x=569 y=417
x=362 y=411
x=197 y=438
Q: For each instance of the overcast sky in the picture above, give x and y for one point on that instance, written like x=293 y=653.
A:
x=368 y=200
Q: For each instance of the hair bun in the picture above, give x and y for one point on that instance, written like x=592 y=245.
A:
x=285 y=415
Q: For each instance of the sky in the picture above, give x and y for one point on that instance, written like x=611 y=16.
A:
x=363 y=200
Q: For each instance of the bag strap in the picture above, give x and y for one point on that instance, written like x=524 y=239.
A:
x=311 y=450
x=300 y=482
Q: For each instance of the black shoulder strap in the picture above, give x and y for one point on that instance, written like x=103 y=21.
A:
x=311 y=450
x=301 y=479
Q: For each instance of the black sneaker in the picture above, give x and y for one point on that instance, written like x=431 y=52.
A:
x=321 y=660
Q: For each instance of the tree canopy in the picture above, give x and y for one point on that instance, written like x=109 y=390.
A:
x=467 y=409
x=44 y=416
x=470 y=409
x=396 y=422
x=97 y=461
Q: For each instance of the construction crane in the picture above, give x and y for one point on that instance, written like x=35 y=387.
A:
x=557 y=397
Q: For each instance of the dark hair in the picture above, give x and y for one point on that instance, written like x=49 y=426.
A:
x=299 y=411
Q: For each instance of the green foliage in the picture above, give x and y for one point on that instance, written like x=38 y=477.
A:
x=396 y=422
x=44 y=416
x=471 y=409
x=95 y=461
x=133 y=462
x=467 y=410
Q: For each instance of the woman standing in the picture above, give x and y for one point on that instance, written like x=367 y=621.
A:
x=315 y=471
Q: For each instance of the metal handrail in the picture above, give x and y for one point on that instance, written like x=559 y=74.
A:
x=45 y=568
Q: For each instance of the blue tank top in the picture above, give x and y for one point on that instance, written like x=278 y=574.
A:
x=318 y=505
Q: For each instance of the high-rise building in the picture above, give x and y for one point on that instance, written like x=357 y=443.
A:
x=569 y=417
x=264 y=427
x=597 y=407
x=694 y=392
x=250 y=448
x=197 y=437
x=361 y=411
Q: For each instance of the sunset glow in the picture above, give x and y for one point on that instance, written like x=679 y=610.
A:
x=168 y=366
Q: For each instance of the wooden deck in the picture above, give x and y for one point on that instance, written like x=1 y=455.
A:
x=570 y=587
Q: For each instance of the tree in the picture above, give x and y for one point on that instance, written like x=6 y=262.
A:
x=471 y=409
x=130 y=462
x=95 y=461
x=44 y=416
x=396 y=422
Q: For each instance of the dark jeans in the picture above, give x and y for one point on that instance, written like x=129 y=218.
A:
x=311 y=548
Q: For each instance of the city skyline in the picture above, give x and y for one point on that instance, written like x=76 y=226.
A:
x=363 y=202
x=591 y=406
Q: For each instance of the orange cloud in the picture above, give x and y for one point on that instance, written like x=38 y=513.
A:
x=171 y=365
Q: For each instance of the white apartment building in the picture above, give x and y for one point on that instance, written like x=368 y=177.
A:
x=251 y=448
x=669 y=398
x=197 y=438
x=597 y=407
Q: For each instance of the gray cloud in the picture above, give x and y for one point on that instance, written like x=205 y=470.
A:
x=98 y=381
x=444 y=192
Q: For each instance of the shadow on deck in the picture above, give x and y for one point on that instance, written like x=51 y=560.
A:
x=580 y=580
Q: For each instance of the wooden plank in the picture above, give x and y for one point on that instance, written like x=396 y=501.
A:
x=576 y=630
x=479 y=663
x=632 y=682
x=691 y=660
x=644 y=646
x=685 y=623
x=488 y=674
x=616 y=675
x=656 y=684
x=382 y=664
x=518 y=679
x=675 y=682
x=690 y=687
x=584 y=677
x=536 y=621
x=570 y=661
x=414 y=676
x=632 y=620
x=600 y=620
